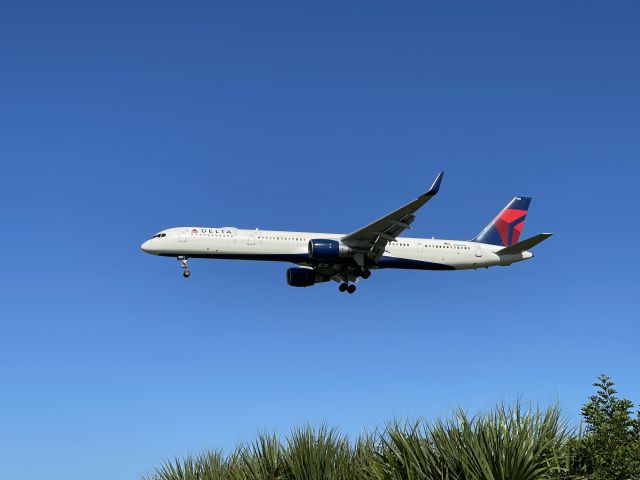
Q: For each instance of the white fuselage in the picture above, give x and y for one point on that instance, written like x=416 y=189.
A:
x=235 y=243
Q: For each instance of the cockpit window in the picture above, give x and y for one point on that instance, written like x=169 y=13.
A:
x=159 y=235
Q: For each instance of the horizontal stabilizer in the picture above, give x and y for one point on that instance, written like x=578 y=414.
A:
x=524 y=245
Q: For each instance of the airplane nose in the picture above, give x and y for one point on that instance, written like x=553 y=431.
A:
x=146 y=246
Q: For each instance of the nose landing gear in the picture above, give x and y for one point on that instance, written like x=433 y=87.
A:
x=184 y=265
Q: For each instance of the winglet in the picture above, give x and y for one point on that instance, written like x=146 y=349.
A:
x=435 y=187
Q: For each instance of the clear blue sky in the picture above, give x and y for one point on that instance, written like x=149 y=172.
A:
x=120 y=119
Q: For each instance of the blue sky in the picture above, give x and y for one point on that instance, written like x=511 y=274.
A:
x=120 y=119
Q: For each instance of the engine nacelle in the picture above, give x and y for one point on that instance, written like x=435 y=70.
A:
x=323 y=249
x=303 y=277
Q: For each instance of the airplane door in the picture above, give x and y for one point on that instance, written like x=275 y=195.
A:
x=182 y=238
x=420 y=247
x=251 y=239
x=478 y=250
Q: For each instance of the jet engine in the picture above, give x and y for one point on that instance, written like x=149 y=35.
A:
x=323 y=249
x=304 y=277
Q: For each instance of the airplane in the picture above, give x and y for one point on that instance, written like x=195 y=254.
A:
x=321 y=257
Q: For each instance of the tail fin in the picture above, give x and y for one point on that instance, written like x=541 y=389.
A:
x=506 y=228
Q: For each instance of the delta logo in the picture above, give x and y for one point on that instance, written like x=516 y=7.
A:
x=510 y=224
x=218 y=231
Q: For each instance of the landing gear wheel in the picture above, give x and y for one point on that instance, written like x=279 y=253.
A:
x=351 y=288
x=343 y=287
x=366 y=274
x=184 y=265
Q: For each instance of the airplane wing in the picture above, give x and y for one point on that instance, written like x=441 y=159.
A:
x=374 y=237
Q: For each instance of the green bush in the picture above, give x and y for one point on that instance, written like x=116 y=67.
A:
x=609 y=448
x=506 y=443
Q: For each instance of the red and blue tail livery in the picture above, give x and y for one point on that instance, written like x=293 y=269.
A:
x=505 y=229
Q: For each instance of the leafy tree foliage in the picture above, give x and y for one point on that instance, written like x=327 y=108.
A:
x=610 y=446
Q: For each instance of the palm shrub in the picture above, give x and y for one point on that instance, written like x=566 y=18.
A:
x=363 y=457
x=317 y=454
x=207 y=466
x=405 y=452
x=262 y=460
x=508 y=443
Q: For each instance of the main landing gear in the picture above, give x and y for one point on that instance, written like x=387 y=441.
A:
x=184 y=265
x=350 y=287
x=345 y=287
